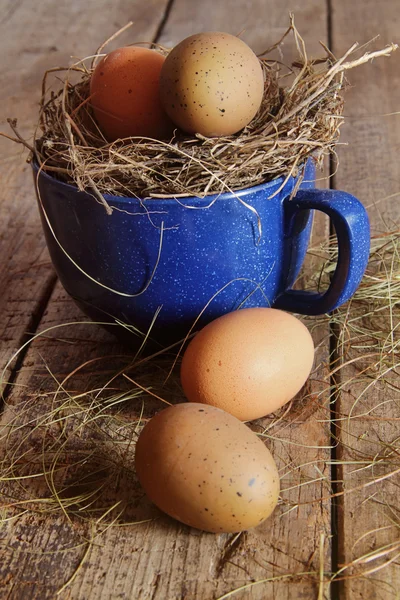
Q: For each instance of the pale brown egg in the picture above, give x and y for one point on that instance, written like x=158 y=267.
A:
x=124 y=91
x=206 y=469
x=212 y=83
x=249 y=362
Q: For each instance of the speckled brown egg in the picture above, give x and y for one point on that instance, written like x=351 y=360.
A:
x=206 y=469
x=124 y=90
x=212 y=83
x=249 y=362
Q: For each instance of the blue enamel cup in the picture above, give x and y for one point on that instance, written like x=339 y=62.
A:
x=164 y=262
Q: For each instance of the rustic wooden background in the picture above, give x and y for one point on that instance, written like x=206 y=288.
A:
x=160 y=559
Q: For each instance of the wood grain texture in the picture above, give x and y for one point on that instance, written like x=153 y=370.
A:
x=161 y=559
x=259 y=23
x=369 y=168
x=35 y=38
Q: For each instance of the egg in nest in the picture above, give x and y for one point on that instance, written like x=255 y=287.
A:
x=212 y=83
x=124 y=94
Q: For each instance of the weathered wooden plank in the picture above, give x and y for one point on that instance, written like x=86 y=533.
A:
x=162 y=559
x=35 y=38
x=369 y=168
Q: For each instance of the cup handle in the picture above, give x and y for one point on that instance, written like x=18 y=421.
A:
x=351 y=224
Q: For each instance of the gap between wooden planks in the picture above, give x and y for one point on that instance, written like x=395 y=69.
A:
x=162 y=559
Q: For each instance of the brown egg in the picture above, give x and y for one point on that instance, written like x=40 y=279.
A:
x=124 y=90
x=249 y=362
x=205 y=468
x=212 y=83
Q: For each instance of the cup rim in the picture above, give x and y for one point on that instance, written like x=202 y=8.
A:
x=207 y=199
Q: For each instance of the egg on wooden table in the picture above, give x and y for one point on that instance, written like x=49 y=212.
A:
x=212 y=83
x=249 y=362
x=124 y=94
x=206 y=468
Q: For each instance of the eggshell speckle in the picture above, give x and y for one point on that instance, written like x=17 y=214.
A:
x=124 y=90
x=205 y=468
x=212 y=83
x=249 y=362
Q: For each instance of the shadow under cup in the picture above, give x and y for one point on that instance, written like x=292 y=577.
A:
x=164 y=262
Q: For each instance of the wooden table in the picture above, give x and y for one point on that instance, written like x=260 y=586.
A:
x=311 y=535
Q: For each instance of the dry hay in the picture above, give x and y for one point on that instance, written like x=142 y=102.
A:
x=296 y=121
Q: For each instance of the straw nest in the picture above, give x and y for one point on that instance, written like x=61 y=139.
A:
x=296 y=121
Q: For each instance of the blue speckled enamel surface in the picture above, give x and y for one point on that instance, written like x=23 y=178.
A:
x=209 y=245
